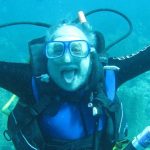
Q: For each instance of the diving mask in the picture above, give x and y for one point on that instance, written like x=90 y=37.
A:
x=76 y=48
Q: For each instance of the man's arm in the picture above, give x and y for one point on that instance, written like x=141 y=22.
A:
x=131 y=65
x=16 y=77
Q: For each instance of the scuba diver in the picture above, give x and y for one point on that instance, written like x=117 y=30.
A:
x=67 y=93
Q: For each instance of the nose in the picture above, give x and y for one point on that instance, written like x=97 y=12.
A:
x=67 y=56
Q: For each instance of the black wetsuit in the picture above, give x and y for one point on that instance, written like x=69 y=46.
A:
x=16 y=77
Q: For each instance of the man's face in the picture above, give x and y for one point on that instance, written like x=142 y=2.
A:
x=69 y=72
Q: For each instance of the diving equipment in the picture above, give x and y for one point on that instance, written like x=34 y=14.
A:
x=142 y=140
x=84 y=22
x=116 y=12
x=43 y=108
x=77 y=48
x=82 y=17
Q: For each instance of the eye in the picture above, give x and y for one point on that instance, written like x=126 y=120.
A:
x=79 y=48
x=54 y=49
x=76 y=48
x=58 y=48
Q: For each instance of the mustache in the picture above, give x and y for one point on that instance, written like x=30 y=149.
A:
x=69 y=67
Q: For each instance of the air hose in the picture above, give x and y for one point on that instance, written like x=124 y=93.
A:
x=116 y=12
x=45 y=25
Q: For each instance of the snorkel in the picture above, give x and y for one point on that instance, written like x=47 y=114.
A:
x=87 y=28
x=84 y=22
x=95 y=37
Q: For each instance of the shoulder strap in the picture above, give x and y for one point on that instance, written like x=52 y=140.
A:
x=110 y=81
x=105 y=92
x=116 y=110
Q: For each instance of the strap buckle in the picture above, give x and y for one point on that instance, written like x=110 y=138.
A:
x=7 y=136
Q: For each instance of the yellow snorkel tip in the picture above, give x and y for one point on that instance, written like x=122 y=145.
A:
x=82 y=17
x=86 y=26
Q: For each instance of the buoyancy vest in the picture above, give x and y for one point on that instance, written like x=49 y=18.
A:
x=52 y=124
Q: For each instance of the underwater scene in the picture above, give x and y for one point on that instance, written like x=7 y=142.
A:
x=134 y=94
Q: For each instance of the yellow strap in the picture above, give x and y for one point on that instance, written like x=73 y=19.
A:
x=10 y=105
x=115 y=148
x=120 y=145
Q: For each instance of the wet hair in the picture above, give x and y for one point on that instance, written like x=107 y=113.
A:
x=90 y=35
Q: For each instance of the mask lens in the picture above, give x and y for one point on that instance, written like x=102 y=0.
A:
x=54 y=49
x=79 y=48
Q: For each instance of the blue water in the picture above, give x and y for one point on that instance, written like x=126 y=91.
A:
x=54 y=12
x=13 y=40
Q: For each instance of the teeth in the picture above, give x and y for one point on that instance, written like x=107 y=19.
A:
x=69 y=76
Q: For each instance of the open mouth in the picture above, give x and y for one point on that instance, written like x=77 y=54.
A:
x=69 y=75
